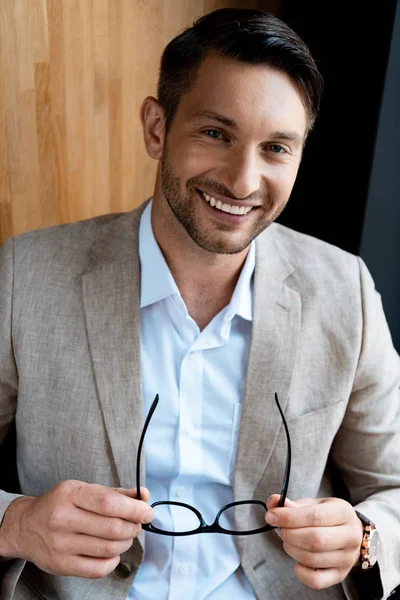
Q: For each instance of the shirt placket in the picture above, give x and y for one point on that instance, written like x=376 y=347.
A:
x=184 y=562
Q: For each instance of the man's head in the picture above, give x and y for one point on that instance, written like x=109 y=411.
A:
x=237 y=95
x=240 y=34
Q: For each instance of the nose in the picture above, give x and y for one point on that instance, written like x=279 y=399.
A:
x=242 y=174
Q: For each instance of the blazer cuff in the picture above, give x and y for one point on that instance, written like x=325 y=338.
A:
x=5 y=501
x=379 y=582
x=364 y=585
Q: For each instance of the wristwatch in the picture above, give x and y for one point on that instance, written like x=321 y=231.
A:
x=370 y=544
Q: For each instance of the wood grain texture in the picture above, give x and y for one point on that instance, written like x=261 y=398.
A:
x=73 y=74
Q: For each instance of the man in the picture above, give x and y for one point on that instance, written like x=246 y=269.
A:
x=199 y=297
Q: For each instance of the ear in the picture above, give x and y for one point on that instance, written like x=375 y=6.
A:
x=153 y=121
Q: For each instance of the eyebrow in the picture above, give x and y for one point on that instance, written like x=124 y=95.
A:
x=207 y=114
x=227 y=122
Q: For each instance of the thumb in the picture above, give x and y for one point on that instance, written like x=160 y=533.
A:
x=273 y=502
x=132 y=493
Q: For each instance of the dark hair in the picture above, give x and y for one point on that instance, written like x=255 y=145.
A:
x=247 y=35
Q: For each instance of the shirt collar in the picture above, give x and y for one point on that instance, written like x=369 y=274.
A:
x=241 y=303
x=157 y=282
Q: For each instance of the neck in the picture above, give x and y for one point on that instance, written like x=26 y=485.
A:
x=206 y=280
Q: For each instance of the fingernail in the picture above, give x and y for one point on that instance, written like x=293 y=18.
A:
x=149 y=516
x=271 y=518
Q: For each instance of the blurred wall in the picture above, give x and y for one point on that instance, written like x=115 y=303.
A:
x=73 y=74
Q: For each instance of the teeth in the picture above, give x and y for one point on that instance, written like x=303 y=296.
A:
x=233 y=210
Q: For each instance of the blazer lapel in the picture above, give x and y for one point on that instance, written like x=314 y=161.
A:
x=275 y=337
x=111 y=292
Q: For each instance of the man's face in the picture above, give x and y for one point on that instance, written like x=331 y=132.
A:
x=237 y=138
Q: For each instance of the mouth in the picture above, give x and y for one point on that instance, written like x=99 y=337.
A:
x=233 y=207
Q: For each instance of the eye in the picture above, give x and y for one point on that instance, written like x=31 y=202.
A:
x=277 y=149
x=213 y=133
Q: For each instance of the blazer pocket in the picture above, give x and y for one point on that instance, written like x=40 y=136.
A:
x=311 y=438
x=308 y=424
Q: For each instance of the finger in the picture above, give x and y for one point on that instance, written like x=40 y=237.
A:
x=110 y=503
x=329 y=513
x=309 y=501
x=132 y=493
x=90 y=568
x=321 y=539
x=96 y=547
x=339 y=559
x=273 y=501
x=108 y=528
x=319 y=579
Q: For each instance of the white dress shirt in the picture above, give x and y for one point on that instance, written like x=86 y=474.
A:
x=190 y=445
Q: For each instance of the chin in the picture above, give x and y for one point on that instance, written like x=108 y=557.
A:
x=223 y=246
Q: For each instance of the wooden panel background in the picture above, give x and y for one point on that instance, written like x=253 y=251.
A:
x=73 y=74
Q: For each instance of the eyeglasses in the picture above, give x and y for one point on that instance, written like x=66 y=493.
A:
x=191 y=520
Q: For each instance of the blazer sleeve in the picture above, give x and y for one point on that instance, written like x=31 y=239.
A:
x=366 y=450
x=8 y=368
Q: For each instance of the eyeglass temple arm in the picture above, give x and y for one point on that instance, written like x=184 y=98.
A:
x=285 y=483
x=139 y=452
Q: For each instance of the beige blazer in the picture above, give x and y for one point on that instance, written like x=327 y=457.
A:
x=70 y=376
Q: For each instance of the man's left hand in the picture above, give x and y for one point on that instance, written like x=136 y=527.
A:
x=323 y=535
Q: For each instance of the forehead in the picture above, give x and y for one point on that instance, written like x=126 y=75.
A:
x=251 y=95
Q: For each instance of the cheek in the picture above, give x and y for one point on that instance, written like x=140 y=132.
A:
x=201 y=153
x=281 y=180
x=194 y=163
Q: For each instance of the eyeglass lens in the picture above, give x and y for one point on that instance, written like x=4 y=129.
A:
x=181 y=519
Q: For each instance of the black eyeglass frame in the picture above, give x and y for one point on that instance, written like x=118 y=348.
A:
x=215 y=527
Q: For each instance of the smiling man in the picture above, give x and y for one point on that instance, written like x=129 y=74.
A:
x=260 y=356
x=228 y=163
x=240 y=156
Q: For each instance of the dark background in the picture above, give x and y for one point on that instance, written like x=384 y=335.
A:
x=348 y=187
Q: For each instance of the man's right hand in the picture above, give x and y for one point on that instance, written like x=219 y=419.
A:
x=75 y=528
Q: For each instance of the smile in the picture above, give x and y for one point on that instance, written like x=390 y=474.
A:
x=225 y=207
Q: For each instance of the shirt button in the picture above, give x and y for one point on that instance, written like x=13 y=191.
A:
x=186 y=430
x=184 y=569
x=179 y=492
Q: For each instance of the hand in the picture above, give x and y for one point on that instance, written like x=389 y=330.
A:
x=323 y=535
x=76 y=528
